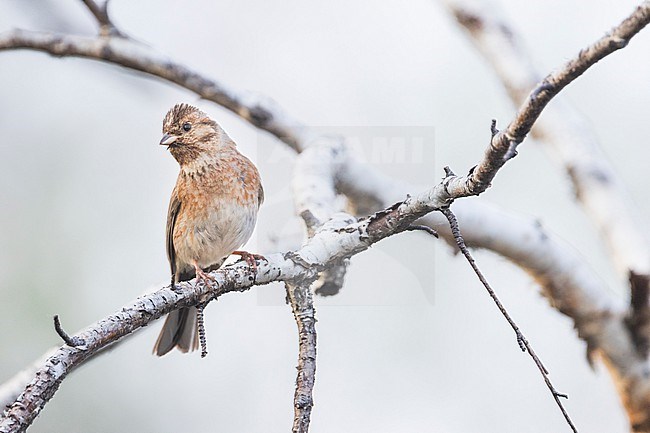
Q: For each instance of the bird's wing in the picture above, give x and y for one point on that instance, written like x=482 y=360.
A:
x=260 y=196
x=172 y=213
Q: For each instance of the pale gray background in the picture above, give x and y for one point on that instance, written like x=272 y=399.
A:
x=412 y=343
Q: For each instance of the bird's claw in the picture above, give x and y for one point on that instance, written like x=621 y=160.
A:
x=203 y=277
x=250 y=258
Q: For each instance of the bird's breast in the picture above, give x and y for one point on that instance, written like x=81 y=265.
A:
x=217 y=216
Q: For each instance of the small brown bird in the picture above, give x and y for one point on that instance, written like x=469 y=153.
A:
x=212 y=211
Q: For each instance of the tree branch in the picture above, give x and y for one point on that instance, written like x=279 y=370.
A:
x=106 y=26
x=315 y=197
x=12 y=388
x=302 y=305
x=133 y=55
x=566 y=133
x=316 y=200
x=504 y=144
x=339 y=238
x=598 y=319
x=70 y=341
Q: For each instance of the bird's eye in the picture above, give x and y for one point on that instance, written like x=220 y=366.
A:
x=187 y=126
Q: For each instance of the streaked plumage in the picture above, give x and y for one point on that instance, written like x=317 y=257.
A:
x=212 y=210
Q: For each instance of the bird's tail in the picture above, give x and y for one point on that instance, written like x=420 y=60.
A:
x=180 y=330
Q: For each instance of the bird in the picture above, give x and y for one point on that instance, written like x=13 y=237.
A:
x=212 y=211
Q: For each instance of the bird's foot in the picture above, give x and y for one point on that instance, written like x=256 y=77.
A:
x=250 y=258
x=202 y=276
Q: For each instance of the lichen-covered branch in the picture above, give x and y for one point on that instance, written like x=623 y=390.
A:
x=504 y=144
x=566 y=134
x=563 y=276
x=12 y=388
x=340 y=237
x=599 y=190
x=302 y=305
x=570 y=285
x=316 y=200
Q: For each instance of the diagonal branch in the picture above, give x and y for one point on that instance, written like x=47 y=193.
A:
x=136 y=56
x=565 y=133
x=339 y=238
x=139 y=57
x=504 y=144
x=576 y=293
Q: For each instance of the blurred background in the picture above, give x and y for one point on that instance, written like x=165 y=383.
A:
x=412 y=342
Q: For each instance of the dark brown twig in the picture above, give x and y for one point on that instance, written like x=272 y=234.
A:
x=521 y=339
x=421 y=228
x=70 y=341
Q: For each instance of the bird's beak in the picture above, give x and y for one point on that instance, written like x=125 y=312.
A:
x=168 y=140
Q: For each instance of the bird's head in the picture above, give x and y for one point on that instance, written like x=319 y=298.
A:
x=189 y=133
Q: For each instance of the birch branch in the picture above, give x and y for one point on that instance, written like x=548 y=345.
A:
x=566 y=134
x=602 y=328
x=314 y=195
x=341 y=237
x=12 y=388
x=302 y=305
x=133 y=55
x=503 y=145
x=568 y=283
x=316 y=199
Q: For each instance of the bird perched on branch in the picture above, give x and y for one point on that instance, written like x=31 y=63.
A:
x=212 y=210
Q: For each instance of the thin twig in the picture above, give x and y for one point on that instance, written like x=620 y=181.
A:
x=70 y=341
x=422 y=228
x=521 y=339
x=106 y=26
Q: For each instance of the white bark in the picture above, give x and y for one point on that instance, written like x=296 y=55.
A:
x=566 y=280
x=566 y=135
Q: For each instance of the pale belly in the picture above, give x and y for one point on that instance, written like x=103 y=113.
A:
x=213 y=236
